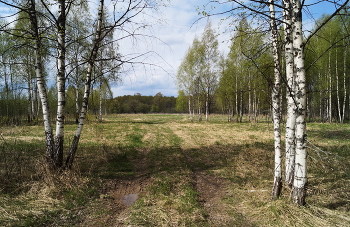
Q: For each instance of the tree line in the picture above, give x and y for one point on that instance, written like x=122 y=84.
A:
x=138 y=103
x=243 y=79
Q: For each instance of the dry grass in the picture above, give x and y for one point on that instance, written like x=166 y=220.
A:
x=186 y=174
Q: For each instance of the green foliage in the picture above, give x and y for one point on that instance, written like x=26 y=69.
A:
x=326 y=61
x=181 y=102
x=198 y=75
x=245 y=72
x=143 y=104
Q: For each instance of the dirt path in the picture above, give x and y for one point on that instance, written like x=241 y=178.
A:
x=212 y=189
x=111 y=209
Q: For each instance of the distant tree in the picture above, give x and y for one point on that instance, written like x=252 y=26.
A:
x=181 y=102
x=198 y=73
x=209 y=66
x=158 y=103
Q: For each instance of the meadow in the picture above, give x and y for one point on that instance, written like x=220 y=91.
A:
x=181 y=173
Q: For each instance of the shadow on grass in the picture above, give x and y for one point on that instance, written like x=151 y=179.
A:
x=336 y=134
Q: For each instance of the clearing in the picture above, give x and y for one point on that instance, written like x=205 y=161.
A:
x=163 y=170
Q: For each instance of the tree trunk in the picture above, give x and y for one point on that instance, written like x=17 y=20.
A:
x=300 y=172
x=320 y=100
x=344 y=82
x=236 y=94
x=100 y=105
x=241 y=107
x=277 y=186
x=337 y=84
x=30 y=97
x=50 y=149
x=291 y=108
x=329 y=89
x=189 y=108
x=207 y=105
x=96 y=45
x=76 y=104
x=61 y=84
x=249 y=98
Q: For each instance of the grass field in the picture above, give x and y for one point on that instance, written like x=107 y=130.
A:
x=183 y=174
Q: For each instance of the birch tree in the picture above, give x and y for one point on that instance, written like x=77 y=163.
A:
x=291 y=108
x=38 y=34
x=298 y=194
x=209 y=75
x=80 y=23
x=187 y=73
x=276 y=191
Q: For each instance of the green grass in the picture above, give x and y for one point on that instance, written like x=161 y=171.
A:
x=169 y=152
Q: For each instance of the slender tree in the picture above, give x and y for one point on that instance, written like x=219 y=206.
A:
x=300 y=170
x=291 y=108
x=276 y=191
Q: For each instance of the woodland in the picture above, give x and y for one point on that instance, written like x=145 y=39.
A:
x=255 y=137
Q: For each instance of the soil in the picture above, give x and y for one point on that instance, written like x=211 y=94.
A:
x=211 y=190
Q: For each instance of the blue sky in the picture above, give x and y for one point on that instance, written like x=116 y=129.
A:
x=175 y=27
x=177 y=33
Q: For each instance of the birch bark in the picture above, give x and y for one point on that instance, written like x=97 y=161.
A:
x=277 y=186
x=300 y=172
x=61 y=86
x=344 y=82
x=41 y=83
x=337 y=84
x=329 y=89
x=291 y=108
x=100 y=104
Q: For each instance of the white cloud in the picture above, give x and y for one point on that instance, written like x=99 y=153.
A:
x=176 y=33
x=174 y=37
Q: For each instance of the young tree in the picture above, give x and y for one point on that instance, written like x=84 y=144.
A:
x=300 y=170
x=187 y=74
x=291 y=108
x=276 y=112
x=181 y=102
x=79 y=24
x=209 y=66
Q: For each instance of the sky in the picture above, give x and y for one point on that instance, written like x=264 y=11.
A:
x=173 y=29
x=176 y=32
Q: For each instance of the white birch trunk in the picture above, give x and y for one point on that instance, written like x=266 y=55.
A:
x=320 y=100
x=256 y=108
x=96 y=45
x=337 y=84
x=189 y=107
x=237 y=96
x=100 y=105
x=61 y=85
x=41 y=85
x=277 y=186
x=241 y=107
x=30 y=99
x=249 y=99
x=76 y=104
x=329 y=89
x=291 y=108
x=344 y=82
x=207 y=106
x=300 y=172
